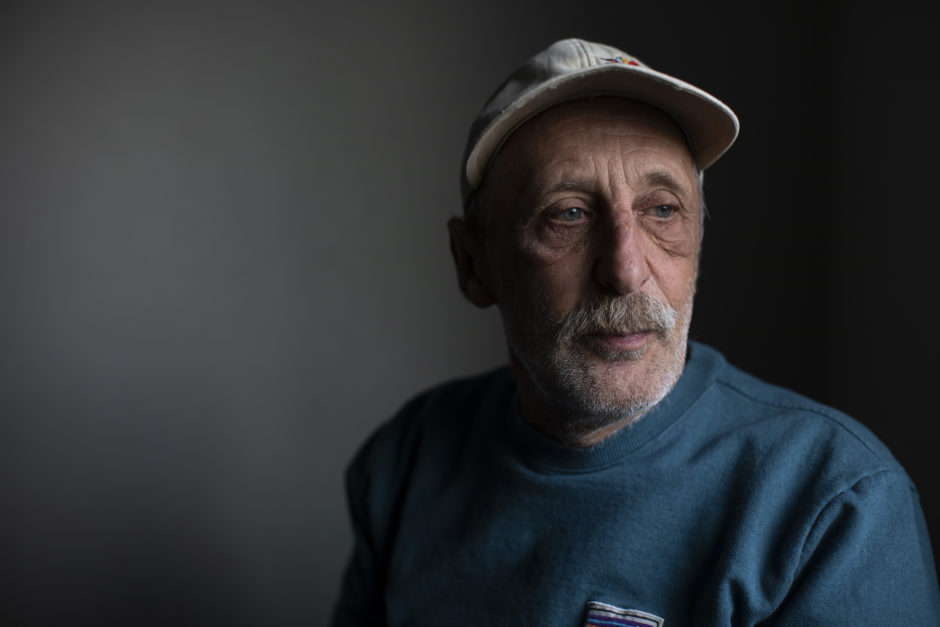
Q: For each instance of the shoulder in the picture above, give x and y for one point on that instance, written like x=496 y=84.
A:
x=419 y=447
x=782 y=432
x=447 y=407
x=816 y=491
x=793 y=410
x=434 y=422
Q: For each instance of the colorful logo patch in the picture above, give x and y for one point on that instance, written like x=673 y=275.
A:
x=623 y=60
x=604 y=615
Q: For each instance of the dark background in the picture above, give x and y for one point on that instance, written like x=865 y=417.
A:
x=223 y=262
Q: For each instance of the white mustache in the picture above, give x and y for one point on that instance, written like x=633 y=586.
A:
x=618 y=316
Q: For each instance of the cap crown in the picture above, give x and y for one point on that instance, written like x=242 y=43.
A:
x=573 y=68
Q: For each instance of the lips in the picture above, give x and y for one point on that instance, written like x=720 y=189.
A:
x=620 y=342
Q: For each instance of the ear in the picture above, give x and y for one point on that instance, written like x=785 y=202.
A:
x=467 y=248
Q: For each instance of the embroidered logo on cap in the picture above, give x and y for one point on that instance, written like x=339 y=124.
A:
x=604 y=615
x=623 y=60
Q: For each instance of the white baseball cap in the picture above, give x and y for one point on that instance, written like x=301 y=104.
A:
x=573 y=68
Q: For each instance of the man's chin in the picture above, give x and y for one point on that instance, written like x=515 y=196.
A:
x=615 y=381
x=602 y=412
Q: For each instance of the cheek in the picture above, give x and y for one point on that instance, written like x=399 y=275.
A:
x=678 y=239
x=556 y=288
x=673 y=257
x=534 y=285
x=526 y=261
x=677 y=278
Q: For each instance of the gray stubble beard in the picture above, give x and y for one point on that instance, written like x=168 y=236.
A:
x=567 y=375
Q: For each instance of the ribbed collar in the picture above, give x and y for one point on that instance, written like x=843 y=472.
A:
x=546 y=455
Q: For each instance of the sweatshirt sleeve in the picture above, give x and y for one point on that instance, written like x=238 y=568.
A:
x=867 y=560
x=361 y=599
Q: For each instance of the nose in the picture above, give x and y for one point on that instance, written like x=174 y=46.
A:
x=620 y=264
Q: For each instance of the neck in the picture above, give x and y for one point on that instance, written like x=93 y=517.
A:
x=568 y=424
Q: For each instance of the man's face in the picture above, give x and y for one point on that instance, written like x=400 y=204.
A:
x=591 y=254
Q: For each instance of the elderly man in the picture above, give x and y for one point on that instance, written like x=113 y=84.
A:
x=617 y=474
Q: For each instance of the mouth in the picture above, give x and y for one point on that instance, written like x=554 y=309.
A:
x=622 y=342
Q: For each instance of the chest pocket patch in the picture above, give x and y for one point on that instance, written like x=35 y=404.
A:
x=604 y=615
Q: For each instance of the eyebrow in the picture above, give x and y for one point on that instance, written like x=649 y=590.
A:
x=665 y=179
x=567 y=186
x=656 y=178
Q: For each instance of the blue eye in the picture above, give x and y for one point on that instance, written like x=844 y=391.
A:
x=571 y=214
x=662 y=211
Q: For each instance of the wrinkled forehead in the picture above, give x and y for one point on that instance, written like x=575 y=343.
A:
x=546 y=137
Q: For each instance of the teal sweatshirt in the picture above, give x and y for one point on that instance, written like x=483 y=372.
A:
x=733 y=502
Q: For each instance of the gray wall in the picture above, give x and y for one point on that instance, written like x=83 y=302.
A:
x=223 y=262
